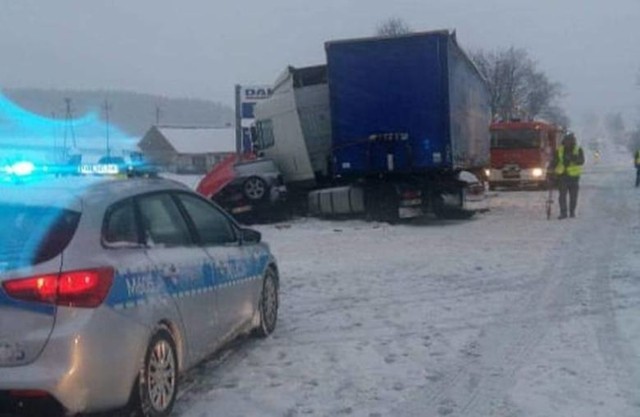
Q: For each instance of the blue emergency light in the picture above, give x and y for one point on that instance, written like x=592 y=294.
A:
x=20 y=169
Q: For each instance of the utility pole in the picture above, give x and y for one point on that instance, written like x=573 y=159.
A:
x=107 y=108
x=68 y=129
x=54 y=130
x=158 y=114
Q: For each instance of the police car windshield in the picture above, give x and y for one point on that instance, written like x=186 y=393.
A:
x=33 y=234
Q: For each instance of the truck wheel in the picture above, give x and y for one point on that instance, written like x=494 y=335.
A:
x=157 y=385
x=450 y=213
x=382 y=205
x=254 y=188
x=453 y=213
x=268 y=305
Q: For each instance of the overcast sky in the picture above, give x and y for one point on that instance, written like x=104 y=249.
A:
x=201 y=48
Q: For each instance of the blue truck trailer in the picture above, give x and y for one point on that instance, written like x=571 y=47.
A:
x=391 y=127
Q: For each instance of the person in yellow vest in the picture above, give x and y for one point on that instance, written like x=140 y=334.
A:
x=636 y=161
x=567 y=168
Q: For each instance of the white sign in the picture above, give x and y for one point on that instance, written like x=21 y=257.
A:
x=255 y=93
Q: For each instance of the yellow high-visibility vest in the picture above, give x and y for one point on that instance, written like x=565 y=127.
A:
x=572 y=170
x=637 y=157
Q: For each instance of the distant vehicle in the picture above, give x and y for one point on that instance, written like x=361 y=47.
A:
x=109 y=288
x=521 y=152
x=248 y=188
x=384 y=130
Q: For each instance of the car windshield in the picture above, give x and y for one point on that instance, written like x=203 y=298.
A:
x=515 y=139
x=33 y=234
x=441 y=248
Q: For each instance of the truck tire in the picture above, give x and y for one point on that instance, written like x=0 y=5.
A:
x=454 y=214
x=382 y=204
x=450 y=213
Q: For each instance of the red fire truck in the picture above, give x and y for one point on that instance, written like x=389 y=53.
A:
x=521 y=152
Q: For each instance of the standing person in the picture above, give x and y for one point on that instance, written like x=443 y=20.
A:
x=636 y=161
x=566 y=167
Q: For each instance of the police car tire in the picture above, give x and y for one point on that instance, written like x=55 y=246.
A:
x=142 y=404
x=268 y=305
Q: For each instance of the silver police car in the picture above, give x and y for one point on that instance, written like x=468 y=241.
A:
x=109 y=288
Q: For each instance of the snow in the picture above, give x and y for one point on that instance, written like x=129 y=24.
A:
x=197 y=140
x=507 y=314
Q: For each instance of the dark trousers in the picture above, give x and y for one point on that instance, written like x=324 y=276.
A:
x=637 y=176
x=568 y=185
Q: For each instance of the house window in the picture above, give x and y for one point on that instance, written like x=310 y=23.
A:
x=199 y=162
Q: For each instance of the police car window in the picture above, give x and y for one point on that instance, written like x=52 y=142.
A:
x=212 y=226
x=34 y=234
x=120 y=224
x=162 y=221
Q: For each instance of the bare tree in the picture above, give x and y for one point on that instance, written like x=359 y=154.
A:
x=518 y=89
x=394 y=26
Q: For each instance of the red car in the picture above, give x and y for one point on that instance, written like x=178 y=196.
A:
x=249 y=188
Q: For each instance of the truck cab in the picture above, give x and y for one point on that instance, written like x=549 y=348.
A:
x=520 y=153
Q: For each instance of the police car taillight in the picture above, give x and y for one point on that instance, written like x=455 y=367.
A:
x=84 y=288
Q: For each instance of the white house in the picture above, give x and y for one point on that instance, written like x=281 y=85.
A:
x=187 y=150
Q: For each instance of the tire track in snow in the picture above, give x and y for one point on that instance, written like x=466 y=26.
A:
x=480 y=373
x=476 y=386
x=618 y=354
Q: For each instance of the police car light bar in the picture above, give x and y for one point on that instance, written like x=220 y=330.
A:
x=98 y=169
x=26 y=170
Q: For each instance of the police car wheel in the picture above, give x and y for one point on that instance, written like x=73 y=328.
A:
x=268 y=305
x=157 y=384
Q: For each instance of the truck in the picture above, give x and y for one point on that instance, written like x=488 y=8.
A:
x=389 y=128
x=521 y=152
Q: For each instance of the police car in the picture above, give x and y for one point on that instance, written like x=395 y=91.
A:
x=109 y=288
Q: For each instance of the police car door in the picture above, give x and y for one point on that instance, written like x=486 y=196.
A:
x=231 y=264
x=183 y=266
x=138 y=291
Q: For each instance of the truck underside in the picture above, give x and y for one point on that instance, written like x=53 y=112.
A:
x=392 y=198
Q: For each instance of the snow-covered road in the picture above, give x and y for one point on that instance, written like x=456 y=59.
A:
x=504 y=315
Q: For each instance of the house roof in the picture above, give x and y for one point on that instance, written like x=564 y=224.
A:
x=197 y=140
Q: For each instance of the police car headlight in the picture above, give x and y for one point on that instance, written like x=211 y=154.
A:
x=487 y=173
x=537 y=172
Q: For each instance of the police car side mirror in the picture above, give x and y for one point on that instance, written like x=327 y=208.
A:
x=250 y=236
